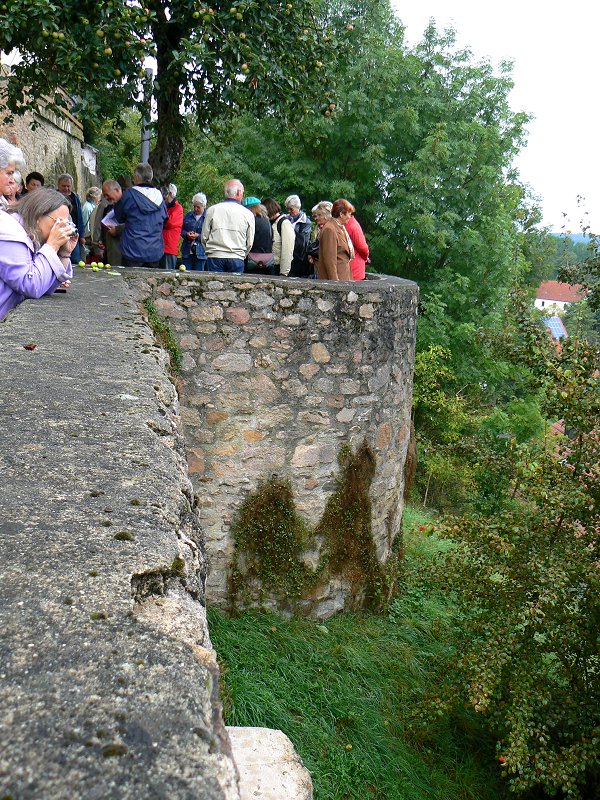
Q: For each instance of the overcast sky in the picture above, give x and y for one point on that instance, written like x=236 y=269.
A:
x=555 y=52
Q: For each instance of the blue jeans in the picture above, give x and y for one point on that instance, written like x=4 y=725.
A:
x=168 y=261
x=76 y=254
x=225 y=264
x=193 y=262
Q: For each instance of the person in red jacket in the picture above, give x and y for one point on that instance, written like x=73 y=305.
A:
x=361 y=249
x=172 y=228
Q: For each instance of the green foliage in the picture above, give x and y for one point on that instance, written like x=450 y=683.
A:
x=527 y=585
x=270 y=536
x=212 y=61
x=118 y=147
x=164 y=336
x=442 y=424
x=586 y=272
x=583 y=323
x=519 y=419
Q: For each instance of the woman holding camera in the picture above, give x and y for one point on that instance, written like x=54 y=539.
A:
x=36 y=240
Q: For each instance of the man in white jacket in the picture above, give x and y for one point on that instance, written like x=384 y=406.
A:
x=228 y=231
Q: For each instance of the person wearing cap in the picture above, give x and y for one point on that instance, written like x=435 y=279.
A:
x=260 y=258
x=228 y=231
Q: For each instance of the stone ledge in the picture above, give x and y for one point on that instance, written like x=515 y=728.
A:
x=101 y=695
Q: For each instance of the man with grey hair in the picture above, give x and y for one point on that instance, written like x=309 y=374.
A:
x=64 y=184
x=172 y=228
x=143 y=212
x=106 y=234
x=228 y=231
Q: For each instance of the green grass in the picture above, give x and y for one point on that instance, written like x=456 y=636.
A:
x=343 y=692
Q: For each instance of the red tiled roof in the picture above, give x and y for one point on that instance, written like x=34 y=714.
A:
x=559 y=292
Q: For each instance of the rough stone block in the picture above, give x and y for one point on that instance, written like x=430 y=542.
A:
x=320 y=353
x=238 y=315
x=268 y=765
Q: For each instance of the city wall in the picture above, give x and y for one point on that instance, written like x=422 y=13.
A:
x=279 y=378
x=120 y=483
x=52 y=144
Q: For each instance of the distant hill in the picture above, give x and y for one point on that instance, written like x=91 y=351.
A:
x=576 y=238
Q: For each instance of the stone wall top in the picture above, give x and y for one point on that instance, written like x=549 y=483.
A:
x=108 y=683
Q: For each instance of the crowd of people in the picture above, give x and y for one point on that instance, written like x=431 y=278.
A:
x=45 y=231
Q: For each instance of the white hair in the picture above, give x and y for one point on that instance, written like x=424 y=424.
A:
x=324 y=207
x=232 y=187
x=200 y=199
x=9 y=154
x=144 y=172
x=65 y=177
x=172 y=189
x=294 y=201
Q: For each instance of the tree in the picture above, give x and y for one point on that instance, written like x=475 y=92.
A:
x=212 y=60
x=526 y=581
x=421 y=141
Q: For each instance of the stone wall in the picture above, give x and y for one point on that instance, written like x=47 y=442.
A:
x=278 y=375
x=52 y=144
x=109 y=684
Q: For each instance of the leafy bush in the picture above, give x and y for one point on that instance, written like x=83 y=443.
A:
x=526 y=583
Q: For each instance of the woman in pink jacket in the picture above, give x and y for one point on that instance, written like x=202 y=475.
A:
x=361 y=249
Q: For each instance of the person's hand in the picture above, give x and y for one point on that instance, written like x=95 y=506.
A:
x=67 y=248
x=192 y=235
x=82 y=240
x=61 y=234
x=112 y=231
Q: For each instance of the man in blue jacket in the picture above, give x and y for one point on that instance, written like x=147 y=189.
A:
x=143 y=211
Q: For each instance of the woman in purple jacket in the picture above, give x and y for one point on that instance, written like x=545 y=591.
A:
x=36 y=241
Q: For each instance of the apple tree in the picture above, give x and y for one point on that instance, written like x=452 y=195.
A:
x=212 y=58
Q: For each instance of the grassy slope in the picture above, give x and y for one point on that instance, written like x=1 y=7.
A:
x=342 y=692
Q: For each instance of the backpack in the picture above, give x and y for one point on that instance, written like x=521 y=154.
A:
x=301 y=268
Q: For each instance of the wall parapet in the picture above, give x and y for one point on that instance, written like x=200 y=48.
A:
x=109 y=684
x=279 y=377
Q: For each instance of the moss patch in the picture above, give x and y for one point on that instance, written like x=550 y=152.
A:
x=345 y=528
x=269 y=537
x=164 y=336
